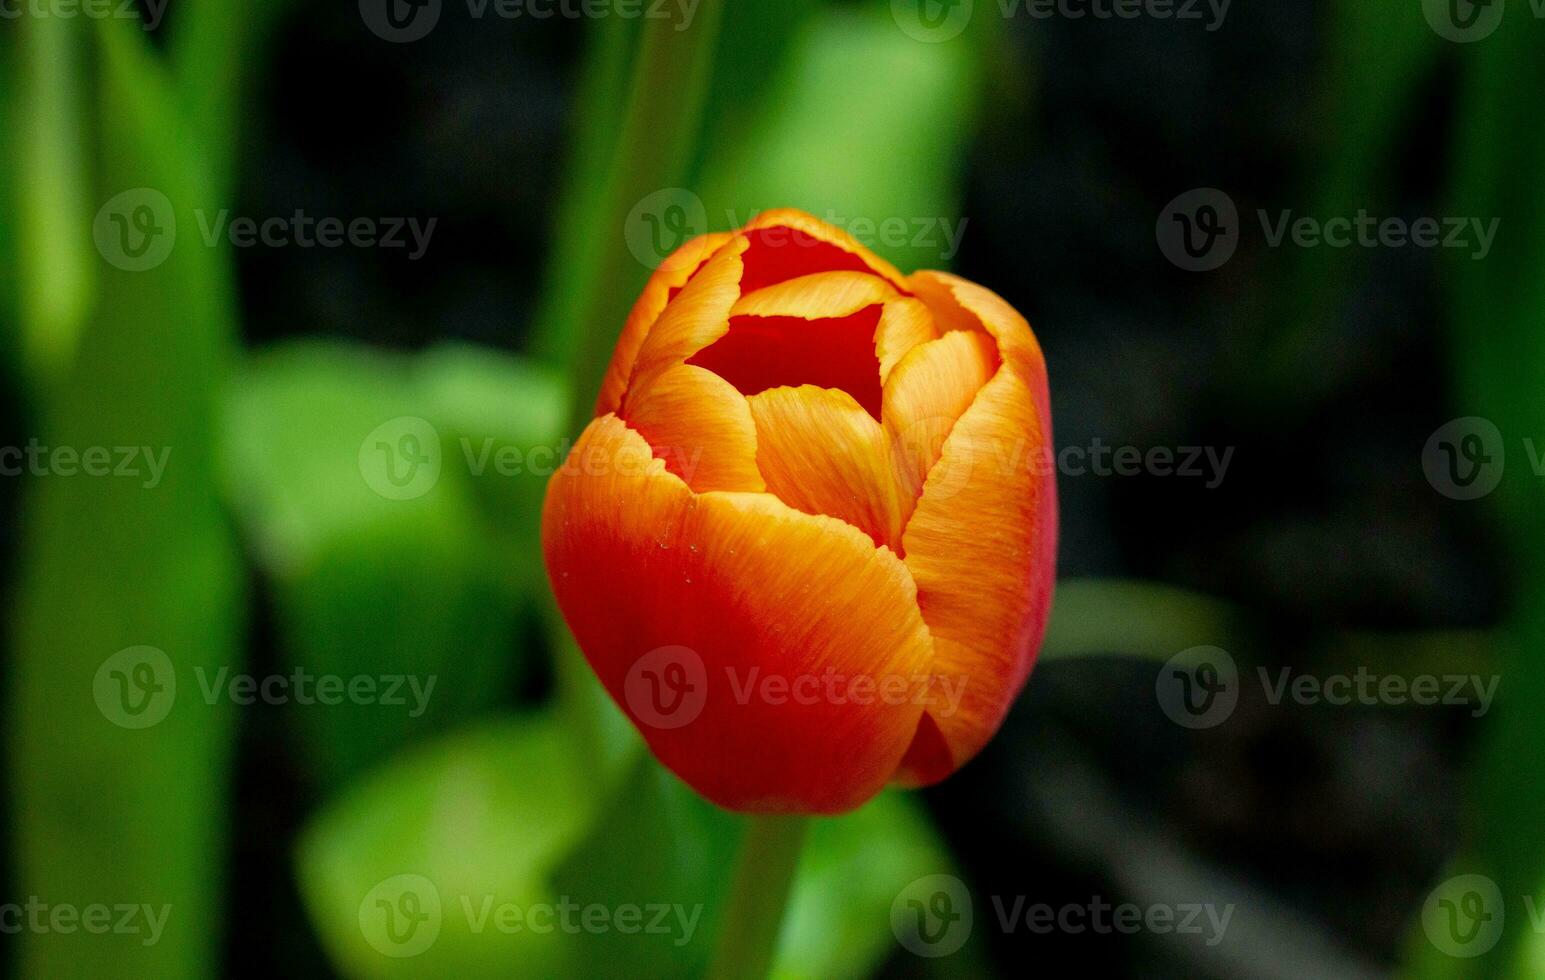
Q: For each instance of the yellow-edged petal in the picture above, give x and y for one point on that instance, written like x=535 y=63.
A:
x=670 y=276
x=820 y=295
x=806 y=653
x=821 y=453
x=925 y=396
x=699 y=315
x=700 y=426
x=981 y=545
x=800 y=245
x=904 y=323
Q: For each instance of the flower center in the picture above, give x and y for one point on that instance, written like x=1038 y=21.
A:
x=762 y=352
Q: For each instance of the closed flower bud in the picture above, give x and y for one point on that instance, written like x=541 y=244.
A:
x=808 y=541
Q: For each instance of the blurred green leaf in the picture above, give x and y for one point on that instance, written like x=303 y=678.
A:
x=838 y=923
x=1133 y=618
x=405 y=875
x=394 y=501
x=213 y=51
x=51 y=154
x=107 y=812
x=1379 y=56
x=507 y=814
x=865 y=127
x=581 y=226
x=1496 y=307
x=657 y=843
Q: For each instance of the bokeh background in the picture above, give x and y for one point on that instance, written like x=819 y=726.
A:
x=1378 y=514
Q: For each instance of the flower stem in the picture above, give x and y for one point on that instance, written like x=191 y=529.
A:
x=753 y=914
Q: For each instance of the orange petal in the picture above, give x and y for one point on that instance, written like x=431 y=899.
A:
x=959 y=304
x=662 y=286
x=797 y=688
x=904 y=324
x=821 y=453
x=981 y=546
x=821 y=294
x=700 y=426
x=929 y=390
x=699 y=315
x=786 y=243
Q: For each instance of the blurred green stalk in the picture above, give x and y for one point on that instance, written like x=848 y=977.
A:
x=654 y=150
x=753 y=912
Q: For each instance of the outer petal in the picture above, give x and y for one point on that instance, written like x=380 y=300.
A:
x=982 y=542
x=761 y=594
x=809 y=233
x=700 y=426
x=924 y=397
x=821 y=453
x=959 y=304
x=905 y=323
x=669 y=277
x=699 y=315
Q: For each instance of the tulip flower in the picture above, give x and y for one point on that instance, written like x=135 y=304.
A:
x=804 y=542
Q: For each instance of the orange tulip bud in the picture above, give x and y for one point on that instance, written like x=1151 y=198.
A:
x=808 y=541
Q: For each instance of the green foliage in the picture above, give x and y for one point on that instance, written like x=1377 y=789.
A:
x=863 y=125
x=506 y=817
x=372 y=579
x=1496 y=308
x=108 y=814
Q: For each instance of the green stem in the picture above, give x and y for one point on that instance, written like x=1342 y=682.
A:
x=753 y=914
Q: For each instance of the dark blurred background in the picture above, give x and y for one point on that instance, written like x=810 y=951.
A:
x=1332 y=542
